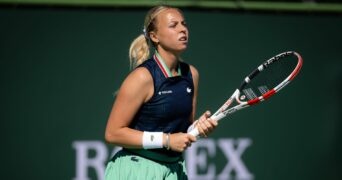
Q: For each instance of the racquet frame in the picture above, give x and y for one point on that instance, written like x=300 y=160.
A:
x=224 y=110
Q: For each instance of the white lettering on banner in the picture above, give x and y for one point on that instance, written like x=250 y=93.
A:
x=231 y=148
x=234 y=157
x=194 y=157
x=197 y=158
x=84 y=162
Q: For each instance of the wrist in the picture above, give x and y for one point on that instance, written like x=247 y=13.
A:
x=166 y=143
x=152 y=140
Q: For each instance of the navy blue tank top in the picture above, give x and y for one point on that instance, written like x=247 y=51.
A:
x=170 y=107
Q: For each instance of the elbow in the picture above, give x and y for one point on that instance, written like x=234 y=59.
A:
x=110 y=138
x=106 y=138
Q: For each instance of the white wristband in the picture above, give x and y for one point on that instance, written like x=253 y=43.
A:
x=152 y=140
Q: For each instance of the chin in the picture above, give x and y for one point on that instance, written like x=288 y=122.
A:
x=184 y=47
x=179 y=51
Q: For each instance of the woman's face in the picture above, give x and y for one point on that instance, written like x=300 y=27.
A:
x=171 y=31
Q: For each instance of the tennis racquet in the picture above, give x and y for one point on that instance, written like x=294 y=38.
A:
x=262 y=83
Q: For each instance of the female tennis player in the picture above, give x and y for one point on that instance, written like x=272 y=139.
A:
x=156 y=103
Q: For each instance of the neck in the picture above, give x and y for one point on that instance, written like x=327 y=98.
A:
x=171 y=60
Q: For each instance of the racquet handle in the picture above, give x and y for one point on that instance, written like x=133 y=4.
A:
x=194 y=132
x=216 y=117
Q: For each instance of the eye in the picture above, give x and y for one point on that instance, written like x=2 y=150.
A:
x=184 y=24
x=173 y=25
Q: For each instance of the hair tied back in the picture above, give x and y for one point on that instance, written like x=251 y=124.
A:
x=145 y=33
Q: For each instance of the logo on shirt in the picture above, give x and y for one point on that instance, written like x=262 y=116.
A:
x=188 y=90
x=165 y=92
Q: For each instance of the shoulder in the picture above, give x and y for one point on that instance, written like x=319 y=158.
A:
x=195 y=76
x=137 y=85
x=140 y=75
x=143 y=71
x=194 y=71
x=137 y=79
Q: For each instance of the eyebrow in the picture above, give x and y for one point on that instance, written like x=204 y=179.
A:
x=172 y=21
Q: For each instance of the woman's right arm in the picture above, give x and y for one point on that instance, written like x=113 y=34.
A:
x=136 y=89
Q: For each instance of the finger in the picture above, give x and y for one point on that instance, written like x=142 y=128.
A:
x=206 y=126
x=208 y=114
x=203 y=130
x=186 y=144
x=192 y=138
x=189 y=140
x=200 y=130
x=213 y=122
x=205 y=115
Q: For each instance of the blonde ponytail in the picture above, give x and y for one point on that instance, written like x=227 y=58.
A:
x=139 y=51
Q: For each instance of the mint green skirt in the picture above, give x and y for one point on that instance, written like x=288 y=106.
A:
x=128 y=166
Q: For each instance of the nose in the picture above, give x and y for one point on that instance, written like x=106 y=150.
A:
x=183 y=29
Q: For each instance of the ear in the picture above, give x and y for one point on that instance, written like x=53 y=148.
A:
x=154 y=37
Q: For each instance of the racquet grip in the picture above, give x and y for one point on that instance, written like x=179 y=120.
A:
x=194 y=132
x=217 y=117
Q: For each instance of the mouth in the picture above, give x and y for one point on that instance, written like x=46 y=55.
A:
x=183 y=39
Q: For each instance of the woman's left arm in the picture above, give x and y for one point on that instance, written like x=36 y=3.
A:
x=195 y=77
x=204 y=124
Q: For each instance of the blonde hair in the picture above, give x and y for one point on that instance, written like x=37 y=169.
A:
x=139 y=50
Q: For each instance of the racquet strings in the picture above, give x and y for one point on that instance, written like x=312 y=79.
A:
x=272 y=75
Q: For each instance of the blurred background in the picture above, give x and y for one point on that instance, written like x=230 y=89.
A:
x=61 y=62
